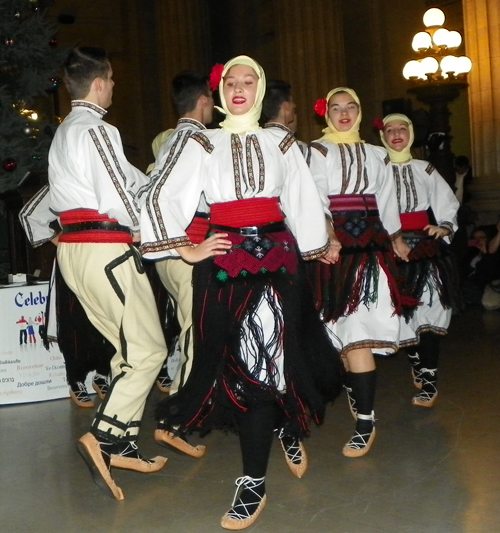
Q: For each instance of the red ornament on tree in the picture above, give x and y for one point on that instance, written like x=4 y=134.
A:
x=53 y=43
x=9 y=164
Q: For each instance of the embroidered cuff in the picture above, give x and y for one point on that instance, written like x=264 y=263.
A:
x=315 y=254
x=42 y=241
x=449 y=226
x=161 y=246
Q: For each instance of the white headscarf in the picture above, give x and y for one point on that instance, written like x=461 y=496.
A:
x=334 y=135
x=250 y=120
x=405 y=155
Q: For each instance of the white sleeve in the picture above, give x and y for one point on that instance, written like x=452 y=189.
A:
x=36 y=216
x=302 y=206
x=387 y=201
x=318 y=167
x=171 y=201
x=115 y=181
x=443 y=202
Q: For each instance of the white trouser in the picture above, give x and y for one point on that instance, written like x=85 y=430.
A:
x=119 y=302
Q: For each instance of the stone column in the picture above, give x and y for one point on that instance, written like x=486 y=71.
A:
x=310 y=54
x=482 y=38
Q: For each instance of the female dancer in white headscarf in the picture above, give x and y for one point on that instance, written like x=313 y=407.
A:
x=262 y=359
x=357 y=296
x=428 y=209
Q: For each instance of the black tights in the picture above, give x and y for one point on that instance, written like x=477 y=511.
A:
x=428 y=350
x=256 y=430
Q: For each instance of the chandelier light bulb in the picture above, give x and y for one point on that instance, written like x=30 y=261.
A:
x=412 y=69
x=434 y=17
x=441 y=37
x=421 y=41
x=454 y=39
x=429 y=65
x=464 y=64
x=435 y=48
x=449 y=64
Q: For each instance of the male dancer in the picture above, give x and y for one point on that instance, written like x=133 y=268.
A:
x=194 y=104
x=83 y=348
x=93 y=190
x=278 y=110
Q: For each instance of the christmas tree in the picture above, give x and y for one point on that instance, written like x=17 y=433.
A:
x=30 y=61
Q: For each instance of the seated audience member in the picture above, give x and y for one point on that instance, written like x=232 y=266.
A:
x=491 y=294
x=481 y=265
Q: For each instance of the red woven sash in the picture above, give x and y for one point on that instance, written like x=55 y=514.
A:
x=249 y=212
x=353 y=202
x=258 y=254
x=76 y=216
x=198 y=229
x=414 y=221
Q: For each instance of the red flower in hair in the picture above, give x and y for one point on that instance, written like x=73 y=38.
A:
x=320 y=107
x=378 y=124
x=215 y=76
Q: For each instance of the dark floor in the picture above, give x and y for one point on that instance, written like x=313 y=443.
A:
x=429 y=470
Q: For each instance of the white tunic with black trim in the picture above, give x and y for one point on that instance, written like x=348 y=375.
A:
x=35 y=217
x=227 y=167
x=167 y=152
x=418 y=187
x=361 y=168
x=88 y=169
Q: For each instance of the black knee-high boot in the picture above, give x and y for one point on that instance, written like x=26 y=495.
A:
x=363 y=386
x=428 y=351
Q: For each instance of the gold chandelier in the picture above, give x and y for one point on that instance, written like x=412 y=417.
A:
x=436 y=63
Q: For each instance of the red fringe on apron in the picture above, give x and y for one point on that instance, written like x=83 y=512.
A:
x=432 y=266
x=221 y=384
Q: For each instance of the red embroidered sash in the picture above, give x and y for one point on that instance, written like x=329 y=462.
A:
x=352 y=202
x=79 y=216
x=259 y=254
x=198 y=229
x=249 y=212
x=414 y=221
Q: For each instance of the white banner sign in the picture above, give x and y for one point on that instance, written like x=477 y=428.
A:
x=28 y=372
